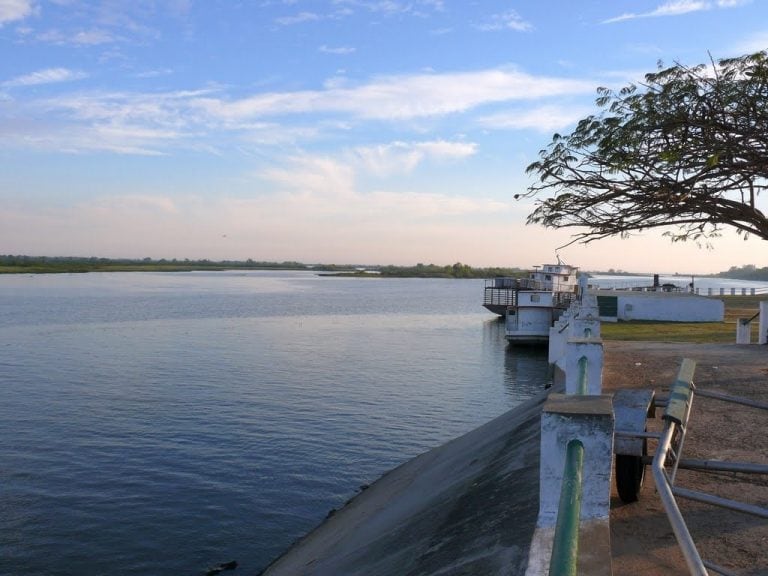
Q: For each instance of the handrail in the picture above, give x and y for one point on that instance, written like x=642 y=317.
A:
x=676 y=417
x=565 y=543
x=675 y=421
x=754 y=510
x=683 y=536
x=732 y=399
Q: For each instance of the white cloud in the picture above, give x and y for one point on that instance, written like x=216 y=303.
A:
x=299 y=18
x=324 y=185
x=379 y=6
x=337 y=49
x=404 y=157
x=313 y=175
x=144 y=124
x=151 y=123
x=752 y=43
x=12 y=10
x=510 y=20
x=542 y=118
x=92 y=37
x=673 y=8
x=157 y=73
x=679 y=7
x=401 y=97
x=47 y=76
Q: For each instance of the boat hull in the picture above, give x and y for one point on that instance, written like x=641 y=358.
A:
x=529 y=322
x=499 y=309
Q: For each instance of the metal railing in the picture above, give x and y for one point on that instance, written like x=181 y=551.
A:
x=670 y=444
x=499 y=296
x=670 y=450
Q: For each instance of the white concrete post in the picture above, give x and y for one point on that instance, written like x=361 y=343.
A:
x=558 y=336
x=592 y=350
x=743 y=331
x=709 y=291
x=588 y=419
x=762 y=337
x=722 y=291
x=583 y=286
x=585 y=327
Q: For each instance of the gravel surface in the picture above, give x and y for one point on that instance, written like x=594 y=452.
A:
x=641 y=536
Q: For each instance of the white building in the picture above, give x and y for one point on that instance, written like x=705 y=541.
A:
x=662 y=306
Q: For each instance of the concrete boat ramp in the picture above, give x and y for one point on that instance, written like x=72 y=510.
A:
x=467 y=507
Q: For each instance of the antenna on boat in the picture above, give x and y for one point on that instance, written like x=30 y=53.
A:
x=559 y=262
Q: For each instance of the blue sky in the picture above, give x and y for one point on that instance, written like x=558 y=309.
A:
x=347 y=131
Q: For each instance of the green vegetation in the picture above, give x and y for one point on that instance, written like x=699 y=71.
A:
x=457 y=270
x=10 y=264
x=700 y=332
x=747 y=272
x=685 y=148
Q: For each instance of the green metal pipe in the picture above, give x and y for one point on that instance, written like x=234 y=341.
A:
x=565 y=544
x=582 y=389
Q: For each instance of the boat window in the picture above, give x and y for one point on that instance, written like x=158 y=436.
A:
x=547 y=277
x=535 y=297
x=565 y=279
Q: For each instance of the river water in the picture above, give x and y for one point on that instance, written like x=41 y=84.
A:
x=164 y=423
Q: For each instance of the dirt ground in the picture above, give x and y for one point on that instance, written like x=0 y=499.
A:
x=642 y=540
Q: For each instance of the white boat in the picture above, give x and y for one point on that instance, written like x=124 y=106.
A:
x=539 y=300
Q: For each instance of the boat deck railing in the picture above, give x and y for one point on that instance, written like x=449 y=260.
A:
x=505 y=293
x=499 y=297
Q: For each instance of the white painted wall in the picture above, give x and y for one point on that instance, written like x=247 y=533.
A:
x=668 y=307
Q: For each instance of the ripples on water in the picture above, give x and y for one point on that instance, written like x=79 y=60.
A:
x=164 y=423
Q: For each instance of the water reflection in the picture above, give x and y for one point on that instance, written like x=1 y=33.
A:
x=526 y=370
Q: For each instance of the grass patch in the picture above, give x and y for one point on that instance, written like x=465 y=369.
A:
x=700 y=332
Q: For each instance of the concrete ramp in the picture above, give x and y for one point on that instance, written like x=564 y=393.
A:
x=467 y=507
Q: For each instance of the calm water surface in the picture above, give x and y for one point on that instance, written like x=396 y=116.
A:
x=165 y=423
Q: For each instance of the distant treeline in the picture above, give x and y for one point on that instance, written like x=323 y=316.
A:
x=52 y=264
x=747 y=272
x=457 y=270
x=14 y=264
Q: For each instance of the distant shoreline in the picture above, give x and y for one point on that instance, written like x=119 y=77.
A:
x=74 y=265
x=17 y=264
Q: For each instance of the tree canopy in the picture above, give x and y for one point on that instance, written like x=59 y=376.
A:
x=686 y=148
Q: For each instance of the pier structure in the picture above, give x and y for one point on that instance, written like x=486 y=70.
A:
x=572 y=534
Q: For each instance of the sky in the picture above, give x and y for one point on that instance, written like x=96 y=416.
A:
x=327 y=131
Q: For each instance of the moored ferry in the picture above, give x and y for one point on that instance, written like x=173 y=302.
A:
x=532 y=304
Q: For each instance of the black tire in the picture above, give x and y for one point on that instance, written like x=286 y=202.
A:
x=630 y=472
